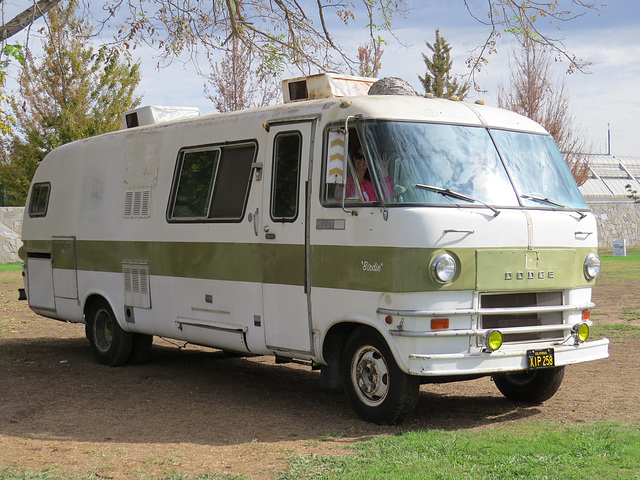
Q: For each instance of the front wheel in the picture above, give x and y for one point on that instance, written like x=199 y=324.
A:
x=533 y=387
x=375 y=386
x=110 y=344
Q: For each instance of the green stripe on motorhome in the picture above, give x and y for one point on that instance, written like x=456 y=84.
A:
x=383 y=269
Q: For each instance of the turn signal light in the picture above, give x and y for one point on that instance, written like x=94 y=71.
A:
x=439 y=323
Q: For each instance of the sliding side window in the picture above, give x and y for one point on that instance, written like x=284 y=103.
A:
x=212 y=183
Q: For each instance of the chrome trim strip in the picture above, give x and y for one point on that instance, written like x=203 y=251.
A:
x=479 y=332
x=486 y=311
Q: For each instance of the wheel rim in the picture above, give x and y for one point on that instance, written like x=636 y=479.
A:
x=103 y=330
x=370 y=375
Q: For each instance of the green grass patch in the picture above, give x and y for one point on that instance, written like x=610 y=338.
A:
x=620 y=267
x=526 y=451
x=616 y=332
x=13 y=267
x=631 y=314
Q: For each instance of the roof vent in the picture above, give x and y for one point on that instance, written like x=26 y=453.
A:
x=325 y=85
x=154 y=114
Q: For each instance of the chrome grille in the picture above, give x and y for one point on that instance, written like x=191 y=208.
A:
x=504 y=321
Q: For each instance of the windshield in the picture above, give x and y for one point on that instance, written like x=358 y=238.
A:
x=465 y=160
x=537 y=169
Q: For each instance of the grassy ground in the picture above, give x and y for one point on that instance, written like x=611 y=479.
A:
x=523 y=451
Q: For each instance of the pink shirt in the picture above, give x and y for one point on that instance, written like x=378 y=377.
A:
x=368 y=191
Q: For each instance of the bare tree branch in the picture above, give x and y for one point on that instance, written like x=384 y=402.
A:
x=26 y=18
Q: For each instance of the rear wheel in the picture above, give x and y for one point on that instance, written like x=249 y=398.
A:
x=110 y=344
x=375 y=386
x=534 y=387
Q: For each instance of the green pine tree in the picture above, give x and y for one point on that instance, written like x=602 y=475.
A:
x=69 y=93
x=438 y=80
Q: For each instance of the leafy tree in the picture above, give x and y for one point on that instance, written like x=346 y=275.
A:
x=72 y=92
x=437 y=80
x=535 y=93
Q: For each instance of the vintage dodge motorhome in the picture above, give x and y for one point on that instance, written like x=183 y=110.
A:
x=391 y=240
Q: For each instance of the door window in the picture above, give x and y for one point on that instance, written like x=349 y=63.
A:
x=286 y=176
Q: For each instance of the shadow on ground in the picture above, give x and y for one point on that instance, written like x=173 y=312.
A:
x=54 y=389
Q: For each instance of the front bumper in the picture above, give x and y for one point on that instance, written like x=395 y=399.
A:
x=499 y=361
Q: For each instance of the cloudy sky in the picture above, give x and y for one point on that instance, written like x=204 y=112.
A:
x=607 y=97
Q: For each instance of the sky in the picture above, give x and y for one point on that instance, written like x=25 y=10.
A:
x=606 y=98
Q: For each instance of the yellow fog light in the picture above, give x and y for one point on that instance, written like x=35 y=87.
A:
x=493 y=340
x=580 y=332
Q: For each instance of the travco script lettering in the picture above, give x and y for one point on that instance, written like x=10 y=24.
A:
x=371 y=267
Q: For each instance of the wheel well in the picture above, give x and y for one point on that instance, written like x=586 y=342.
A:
x=336 y=339
x=88 y=304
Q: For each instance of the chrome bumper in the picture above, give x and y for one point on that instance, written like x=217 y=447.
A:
x=507 y=360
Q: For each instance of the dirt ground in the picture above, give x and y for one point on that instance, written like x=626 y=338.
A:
x=192 y=411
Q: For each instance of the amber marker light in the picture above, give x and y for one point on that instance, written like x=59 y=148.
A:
x=586 y=315
x=439 y=323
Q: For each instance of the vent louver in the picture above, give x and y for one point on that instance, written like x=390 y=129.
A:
x=136 y=284
x=137 y=203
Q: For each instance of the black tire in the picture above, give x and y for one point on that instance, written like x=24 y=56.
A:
x=376 y=388
x=110 y=344
x=531 y=387
x=140 y=349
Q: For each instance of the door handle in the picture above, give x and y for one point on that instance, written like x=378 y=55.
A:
x=255 y=221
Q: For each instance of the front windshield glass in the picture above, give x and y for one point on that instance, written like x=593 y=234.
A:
x=459 y=158
x=537 y=169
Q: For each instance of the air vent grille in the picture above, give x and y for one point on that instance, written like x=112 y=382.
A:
x=137 y=203
x=136 y=284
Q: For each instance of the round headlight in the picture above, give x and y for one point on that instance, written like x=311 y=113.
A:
x=591 y=266
x=443 y=268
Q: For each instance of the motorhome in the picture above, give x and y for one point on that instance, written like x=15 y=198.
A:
x=391 y=240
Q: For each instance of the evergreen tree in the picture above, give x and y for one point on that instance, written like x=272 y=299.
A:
x=71 y=92
x=438 y=80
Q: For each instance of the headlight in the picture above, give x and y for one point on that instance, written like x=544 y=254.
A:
x=443 y=268
x=591 y=266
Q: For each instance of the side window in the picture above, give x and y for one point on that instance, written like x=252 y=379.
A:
x=195 y=182
x=286 y=176
x=39 y=199
x=358 y=190
x=212 y=184
x=232 y=182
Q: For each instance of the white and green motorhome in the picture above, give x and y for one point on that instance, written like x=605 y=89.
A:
x=246 y=232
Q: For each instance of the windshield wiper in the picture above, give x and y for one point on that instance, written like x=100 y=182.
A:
x=538 y=198
x=445 y=192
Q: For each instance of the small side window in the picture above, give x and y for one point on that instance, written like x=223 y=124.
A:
x=286 y=176
x=39 y=199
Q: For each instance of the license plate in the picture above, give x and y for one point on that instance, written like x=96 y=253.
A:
x=537 y=359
